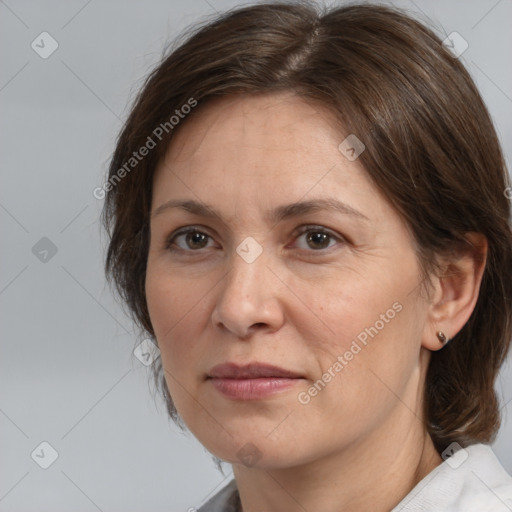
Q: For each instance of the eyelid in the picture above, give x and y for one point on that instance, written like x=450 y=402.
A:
x=169 y=240
x=312 y=227
x=322 y=229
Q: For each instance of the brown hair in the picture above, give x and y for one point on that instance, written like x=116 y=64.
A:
x=431 y=148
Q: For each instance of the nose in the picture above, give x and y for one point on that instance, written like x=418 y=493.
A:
x=249 y=298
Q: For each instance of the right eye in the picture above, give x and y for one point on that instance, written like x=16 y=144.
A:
x=188 y=239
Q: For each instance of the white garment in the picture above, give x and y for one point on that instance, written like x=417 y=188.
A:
x=471 y=480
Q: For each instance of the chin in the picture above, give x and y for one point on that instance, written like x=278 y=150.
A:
x=256 y=451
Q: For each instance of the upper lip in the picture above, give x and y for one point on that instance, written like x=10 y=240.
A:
x=250 y=371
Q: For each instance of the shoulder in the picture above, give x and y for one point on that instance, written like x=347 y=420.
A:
x=226 y=500
x=470 y=480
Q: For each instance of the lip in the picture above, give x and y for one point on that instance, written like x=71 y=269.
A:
x=253 y=381
x=251 y=371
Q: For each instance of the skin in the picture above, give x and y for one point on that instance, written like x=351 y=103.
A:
x=360 y=443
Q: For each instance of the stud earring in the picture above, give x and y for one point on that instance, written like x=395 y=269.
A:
x=442 y=338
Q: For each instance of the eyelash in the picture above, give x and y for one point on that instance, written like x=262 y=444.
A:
x=301 y=231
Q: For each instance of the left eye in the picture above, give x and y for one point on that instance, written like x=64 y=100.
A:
x=317 y=238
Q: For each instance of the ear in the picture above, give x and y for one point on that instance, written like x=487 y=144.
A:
x=455 y=291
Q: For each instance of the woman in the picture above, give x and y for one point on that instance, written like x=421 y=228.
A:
x=308 y=214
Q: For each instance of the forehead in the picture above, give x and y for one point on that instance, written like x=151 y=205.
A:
x=276 y=122
x=255 y=147
x=253 y=151
x=247 y=155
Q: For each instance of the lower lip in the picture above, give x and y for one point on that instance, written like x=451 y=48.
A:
x=252 y=389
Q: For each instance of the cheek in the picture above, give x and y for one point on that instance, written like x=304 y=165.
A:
x=364 y=329
x=175 y=310
x=346 y=305
x=358 y=382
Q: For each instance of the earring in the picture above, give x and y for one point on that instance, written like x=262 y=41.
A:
x=442 y=338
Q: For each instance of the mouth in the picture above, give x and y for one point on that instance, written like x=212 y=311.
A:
x=251 y=371
x=253 y=381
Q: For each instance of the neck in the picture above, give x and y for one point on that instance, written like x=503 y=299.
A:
x=372 y=474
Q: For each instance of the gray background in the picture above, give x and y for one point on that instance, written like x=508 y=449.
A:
x=67 y=372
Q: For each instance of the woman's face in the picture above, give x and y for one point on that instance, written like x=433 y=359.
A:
x=293 y=259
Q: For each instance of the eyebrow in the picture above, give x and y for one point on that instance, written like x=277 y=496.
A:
x=279 y=213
